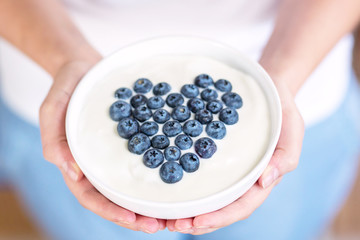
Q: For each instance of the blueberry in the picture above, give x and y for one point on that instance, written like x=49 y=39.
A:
x=195 y=104
x=155 y=102
x=232 y=100
x=143 y=85
x=205 y=147
x=204 y=116
x=209 y=94
x=229 y=116
x=161 y=116
x=172 y=128
x=172 y=153
x=138 y=100
x=149 y=128
x=153 y=158
x=204 y=81
x=183 y=141
x=214 y=106
x=171 y=172
x=223 y=85
x=127 y=127
x=174 y=99
x=123 y=93
x=142 y=113
x=190 y=90
x=139 y=143
x=120 y=110
x=160 y=142
x=189 y=162
x=161 y=89
x=193 y=128
x=216 y=130
x=181 y=113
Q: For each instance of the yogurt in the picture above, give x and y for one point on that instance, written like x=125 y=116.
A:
x=109 y=160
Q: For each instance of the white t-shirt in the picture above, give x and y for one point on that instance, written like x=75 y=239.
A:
x=112 y=24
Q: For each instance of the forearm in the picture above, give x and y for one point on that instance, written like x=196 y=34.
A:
x=42 y=30
x=305 y=31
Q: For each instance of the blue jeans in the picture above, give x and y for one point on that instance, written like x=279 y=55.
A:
x=298 y=208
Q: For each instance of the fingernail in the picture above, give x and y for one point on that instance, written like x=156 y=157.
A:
x=72 y=170
x=202 y=227
x=123 y=222
x=146 y=231
x=186 y=231
x=270 y=176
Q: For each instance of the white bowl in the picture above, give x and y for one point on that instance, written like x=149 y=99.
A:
x=179 y=45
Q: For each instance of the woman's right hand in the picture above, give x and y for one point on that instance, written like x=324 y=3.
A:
x=56 y=151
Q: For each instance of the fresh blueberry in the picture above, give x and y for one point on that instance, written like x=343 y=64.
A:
x=195 y=104
x=127 y=127
x=190 y=90
x=153 y=158
x=174 y=99
x=205 y=147
x=123 y=93
x=189 y=162
x=204 y=81
x=216 y=130
x=193 y=128
x=139 y=143
x=181 y=113
x=214 y=106
x=155 y=102
x=223 y=85
x=172 y=153
x=232 y=100
x=209 y=94
x=172 y=128
x=142 y=113
x=138 y=100
x=161 y=116
x=160 y=142
x=149 y=128
x=143 y=85
x=229 y=116
x=204 y=116
x=183 y=141
x=120 y=110
x=171 y=172
x=161 y=89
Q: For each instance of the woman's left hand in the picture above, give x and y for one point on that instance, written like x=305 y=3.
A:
x=284 y=160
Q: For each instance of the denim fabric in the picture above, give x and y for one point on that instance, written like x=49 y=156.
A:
x=298 y=208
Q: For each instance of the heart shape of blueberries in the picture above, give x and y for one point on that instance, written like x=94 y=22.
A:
x=139 y=118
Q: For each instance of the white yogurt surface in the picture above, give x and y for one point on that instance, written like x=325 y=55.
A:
x=109 y=160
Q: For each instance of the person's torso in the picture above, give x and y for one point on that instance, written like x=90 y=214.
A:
x=112 y=24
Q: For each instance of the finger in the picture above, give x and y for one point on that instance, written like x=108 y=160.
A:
x=147 y=224
x=162 y=224
x=91 y=199
x=288 y=149
x=170 y=224
x=204 y=231
x=94 y=201
x=184 y=225
x=240 y=209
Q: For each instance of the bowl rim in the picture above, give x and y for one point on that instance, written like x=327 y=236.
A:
x=265 y=159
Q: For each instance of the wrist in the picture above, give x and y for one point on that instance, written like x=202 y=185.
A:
x=283 y=73
x=85 y=54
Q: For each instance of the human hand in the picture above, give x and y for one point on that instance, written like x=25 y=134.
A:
x=284 y=160
x=56 y=151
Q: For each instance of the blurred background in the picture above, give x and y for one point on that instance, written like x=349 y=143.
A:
x=16 y=224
